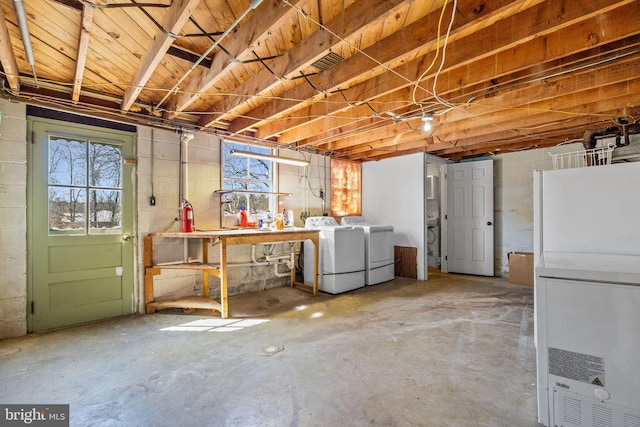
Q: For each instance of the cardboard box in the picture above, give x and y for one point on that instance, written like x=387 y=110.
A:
x=521 y=268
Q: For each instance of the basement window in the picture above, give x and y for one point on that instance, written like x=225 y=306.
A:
x=248 y=181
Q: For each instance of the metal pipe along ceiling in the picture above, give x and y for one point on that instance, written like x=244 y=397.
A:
x=24 y=30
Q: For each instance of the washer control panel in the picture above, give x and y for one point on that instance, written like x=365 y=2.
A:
x=353 y=220
x=320 y=221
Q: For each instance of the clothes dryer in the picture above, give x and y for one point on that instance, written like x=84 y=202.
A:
x=341 y=265
x=379 y=251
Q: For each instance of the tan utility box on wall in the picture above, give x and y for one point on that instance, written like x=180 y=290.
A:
x=521 y=268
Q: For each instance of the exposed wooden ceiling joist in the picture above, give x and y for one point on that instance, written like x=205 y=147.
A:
x=83 y=46
x=502 y=75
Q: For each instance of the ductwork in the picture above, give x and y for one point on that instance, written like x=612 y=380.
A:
x=620 y=133
x=589 y=139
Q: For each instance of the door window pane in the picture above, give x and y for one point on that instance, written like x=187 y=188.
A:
x=105 y=165
x=66 y=210
x=104 y=206
x=79 y=169
x=67 y=161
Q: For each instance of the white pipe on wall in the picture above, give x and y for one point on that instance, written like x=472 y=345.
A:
x=185 y=138
x=184 y=142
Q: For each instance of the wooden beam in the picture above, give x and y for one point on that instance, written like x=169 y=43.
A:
x=7 y=57
x=499 y=58
x=86 y=23
x=532 y=114
x=539 y=52
x=417 y=39
x=269 y=13
x=174 y=20
x=531 y=128
x=343 y=121
x=531 y=120
x=593 y=110
x=354 y=19
x=596 y=114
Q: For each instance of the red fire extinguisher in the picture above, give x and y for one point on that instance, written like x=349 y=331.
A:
x=187 y=217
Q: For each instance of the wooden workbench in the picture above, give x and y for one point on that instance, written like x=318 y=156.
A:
x=223 y=238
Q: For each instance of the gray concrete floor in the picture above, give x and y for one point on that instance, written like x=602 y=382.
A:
x=453 y=351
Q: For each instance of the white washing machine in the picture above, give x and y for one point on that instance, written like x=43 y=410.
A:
x=379 y=256
x=341 y=265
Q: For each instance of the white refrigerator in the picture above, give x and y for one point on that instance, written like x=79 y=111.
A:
x=587 y=295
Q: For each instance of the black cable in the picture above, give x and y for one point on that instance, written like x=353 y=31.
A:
x=300 y=263
x=430 y=229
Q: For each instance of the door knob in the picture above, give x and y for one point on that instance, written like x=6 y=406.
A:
x=126 y=237
x=489 y=223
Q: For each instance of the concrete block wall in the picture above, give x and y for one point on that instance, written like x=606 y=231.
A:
x=304 y=184
x=513 y=200
x=159 y=174
x=13 y=216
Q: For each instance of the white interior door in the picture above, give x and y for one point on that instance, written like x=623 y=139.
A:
x=469 y=218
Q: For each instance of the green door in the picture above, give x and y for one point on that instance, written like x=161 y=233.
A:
x=81 y=221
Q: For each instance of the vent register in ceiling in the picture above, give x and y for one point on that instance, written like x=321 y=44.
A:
x=357 y=80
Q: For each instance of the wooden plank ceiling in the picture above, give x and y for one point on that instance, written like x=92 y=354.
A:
x=347 y=78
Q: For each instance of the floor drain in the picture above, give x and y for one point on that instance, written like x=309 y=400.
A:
x=272 y=349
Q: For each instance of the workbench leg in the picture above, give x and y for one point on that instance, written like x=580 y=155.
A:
x=205 y=283
x=148 y=293
x=205 y=273
x=148 y=273
x=224 y=307
x=205 y=250
x=293 y=270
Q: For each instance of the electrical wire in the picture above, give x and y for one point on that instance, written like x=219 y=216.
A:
x=444 y=56
x=148 y=121
x=91 y=108
x=616 y=56
x=430 y=230
x=435 y=57
x=416 y=85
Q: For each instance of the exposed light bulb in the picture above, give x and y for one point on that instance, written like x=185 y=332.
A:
x=427 y=119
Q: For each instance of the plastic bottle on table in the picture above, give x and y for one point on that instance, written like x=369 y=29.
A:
x=279 y=222
x=242 y=217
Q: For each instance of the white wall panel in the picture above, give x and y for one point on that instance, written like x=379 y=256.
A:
x=393 y=192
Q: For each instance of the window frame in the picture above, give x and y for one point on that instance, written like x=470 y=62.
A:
x=238 y=191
